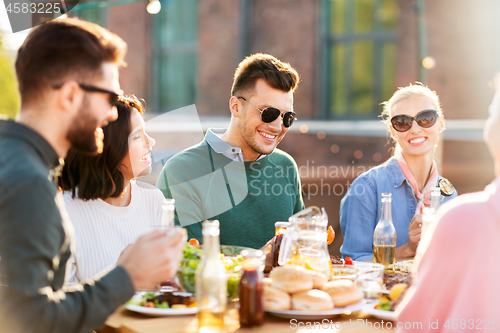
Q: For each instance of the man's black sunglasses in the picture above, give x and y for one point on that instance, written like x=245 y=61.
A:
x=270 y=114
x=113 y=96
x=424 y=119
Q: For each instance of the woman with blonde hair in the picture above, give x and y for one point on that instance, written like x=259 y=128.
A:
x=415 y=120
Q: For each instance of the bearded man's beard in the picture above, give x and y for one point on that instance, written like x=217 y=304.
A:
x=84 y=134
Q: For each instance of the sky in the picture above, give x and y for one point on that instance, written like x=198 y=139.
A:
x=11 y=41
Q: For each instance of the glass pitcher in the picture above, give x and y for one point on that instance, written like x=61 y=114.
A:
x=305 y=242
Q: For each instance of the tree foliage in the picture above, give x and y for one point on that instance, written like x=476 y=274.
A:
x=9 y=95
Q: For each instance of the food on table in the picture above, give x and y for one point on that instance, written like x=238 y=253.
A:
x=330 y=235
x=312 y=300
x=348 y=261
x=319 y=279
x=291 y=278
x=384 y=304
x=393 y=278
x=298 y=282
x=276 y=299
x=171 y=299
x=395 y=296
x=194 y=242
x=404 y=266
x=336 y=260
x=312 y=263
x=190 y=261
x=343 y=292
x=397 y=290
x=267 y=282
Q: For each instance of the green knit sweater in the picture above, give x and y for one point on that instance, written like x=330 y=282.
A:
x=246 y=197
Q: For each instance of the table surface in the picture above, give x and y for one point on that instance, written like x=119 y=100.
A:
x=124 y=321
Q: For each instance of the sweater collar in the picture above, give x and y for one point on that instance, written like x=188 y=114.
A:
x=47 y=154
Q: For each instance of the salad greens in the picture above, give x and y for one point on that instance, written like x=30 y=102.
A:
x=149 y=300
x=190 y=261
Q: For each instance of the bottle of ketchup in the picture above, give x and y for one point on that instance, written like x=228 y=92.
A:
x=251 y=289
x=280 y=229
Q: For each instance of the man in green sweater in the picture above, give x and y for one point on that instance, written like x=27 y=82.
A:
x=237 y=175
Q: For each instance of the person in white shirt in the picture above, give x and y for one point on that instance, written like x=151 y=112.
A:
x=109 y=209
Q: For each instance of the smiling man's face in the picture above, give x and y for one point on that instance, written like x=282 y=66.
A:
x=257 y=137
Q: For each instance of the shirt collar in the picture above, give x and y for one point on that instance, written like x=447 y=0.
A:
x=398 y=176
x=218 y=145
x=48 y=155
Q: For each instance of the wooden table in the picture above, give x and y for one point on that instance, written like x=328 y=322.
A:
x=124 y=321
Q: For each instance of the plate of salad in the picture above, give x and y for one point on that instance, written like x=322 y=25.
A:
x=158 y=304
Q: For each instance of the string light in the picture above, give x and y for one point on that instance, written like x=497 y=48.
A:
x=154 y=7
x=428 y=62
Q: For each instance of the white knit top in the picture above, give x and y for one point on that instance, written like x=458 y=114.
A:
x=102 y=231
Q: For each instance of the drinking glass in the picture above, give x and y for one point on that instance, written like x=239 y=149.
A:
x=370 y=278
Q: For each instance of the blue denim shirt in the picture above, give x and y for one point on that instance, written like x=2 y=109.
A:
x=360 y=208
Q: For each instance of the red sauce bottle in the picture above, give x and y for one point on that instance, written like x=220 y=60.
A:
x=251 y=289
x=280 y=228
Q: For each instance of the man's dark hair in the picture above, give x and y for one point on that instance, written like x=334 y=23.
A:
x=98 y=176
x=64 y=49
x=279 y=75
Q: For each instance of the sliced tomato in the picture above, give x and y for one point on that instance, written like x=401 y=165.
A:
x=330 y=235
x=194 y=242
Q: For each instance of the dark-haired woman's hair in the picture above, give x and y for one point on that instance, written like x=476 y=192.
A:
x=98 y=176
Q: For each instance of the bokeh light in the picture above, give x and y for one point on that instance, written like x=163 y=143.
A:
x=335 y=149
x=321 y=135
x=428 y=62
x=304 y=128
x=377 y=157
x=154 y=7
x=358 y=154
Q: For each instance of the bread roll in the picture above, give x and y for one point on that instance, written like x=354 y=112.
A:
x=275 y=299
x=291 y=278
x=319 y=279
x=312 y=300
x=343 y=292
x=267 y=282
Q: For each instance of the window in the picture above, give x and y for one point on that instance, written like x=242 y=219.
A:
x=95 y=14
x=359 y=57
x=174 y=31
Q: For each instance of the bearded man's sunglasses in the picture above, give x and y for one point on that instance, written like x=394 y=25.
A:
x=424 y=119
x=270 y=114
x=112 y=96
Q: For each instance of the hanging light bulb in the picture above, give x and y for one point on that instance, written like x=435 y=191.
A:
x=154 y=7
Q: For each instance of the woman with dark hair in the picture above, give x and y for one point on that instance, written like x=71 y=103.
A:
x=108 y=207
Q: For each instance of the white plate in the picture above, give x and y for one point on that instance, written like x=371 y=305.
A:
x=381 y=314
x=314 y=315
x=161 y=312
